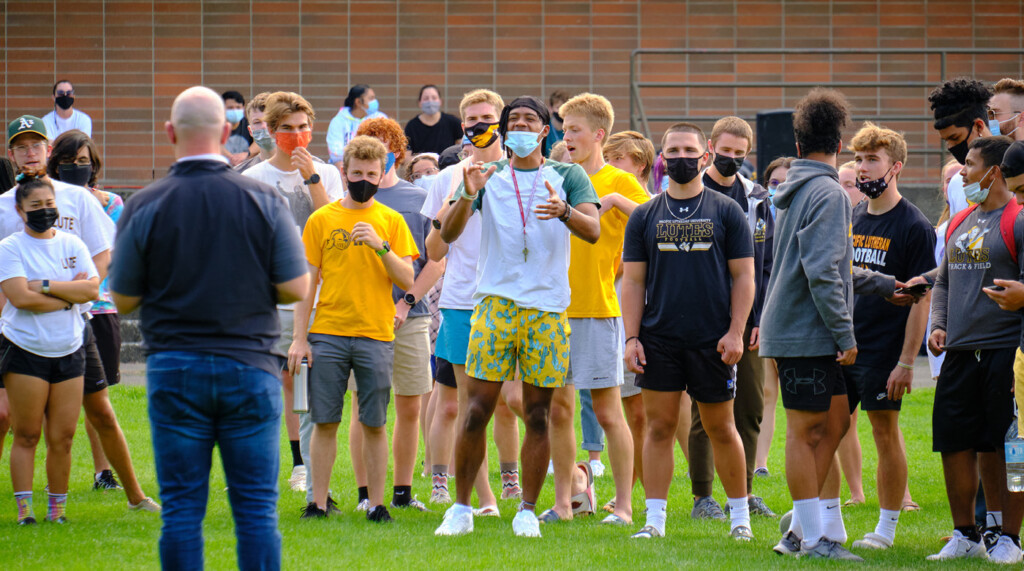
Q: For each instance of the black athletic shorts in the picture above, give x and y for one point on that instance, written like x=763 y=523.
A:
x=95 y=377
x=107 y=328
x=868 y=386
x=699 y=372
x=973 y=400
x=445 y=373
x=809 y=383
x=14 y=359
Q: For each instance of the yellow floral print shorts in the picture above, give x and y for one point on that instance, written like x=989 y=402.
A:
x=502 y=333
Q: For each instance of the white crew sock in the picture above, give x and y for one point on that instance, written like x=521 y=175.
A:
x=832 y=520
x=739 y=512
x=810 y=521
x=459 y=509
x=794 y=523
x=887 y=520
x=994 y=519
x=656 y=513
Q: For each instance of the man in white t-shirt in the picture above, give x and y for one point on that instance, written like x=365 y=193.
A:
x=64 y=116
x=306 y=185
x=521 y=297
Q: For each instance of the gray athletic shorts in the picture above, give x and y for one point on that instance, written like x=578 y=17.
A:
x=628 y=388
x=334 y=357
x=595 y=353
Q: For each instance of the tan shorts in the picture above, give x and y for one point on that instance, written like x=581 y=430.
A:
x=411 y=372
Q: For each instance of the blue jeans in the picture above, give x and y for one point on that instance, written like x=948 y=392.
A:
x=593 y=436
x=197 y=401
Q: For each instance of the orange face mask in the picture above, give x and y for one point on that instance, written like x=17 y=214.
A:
x=288 y=141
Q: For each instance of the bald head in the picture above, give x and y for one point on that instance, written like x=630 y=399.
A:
x=197 y=120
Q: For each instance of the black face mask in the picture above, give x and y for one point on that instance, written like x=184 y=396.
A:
x=727 y=166
x=361 y=190
x=874 y=188
x=41 y=220
x=959 y=151
x=482 y=134
x=682 y=170
x=77 y=175
x=65 y=101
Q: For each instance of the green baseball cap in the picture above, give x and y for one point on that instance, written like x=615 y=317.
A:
x=26 y=124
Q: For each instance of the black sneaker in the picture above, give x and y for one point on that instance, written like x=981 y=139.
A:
x=105 y=480
x=332 y=506
x=990 y=536
x=27 y=521
x=379 y=514
x=311 y=511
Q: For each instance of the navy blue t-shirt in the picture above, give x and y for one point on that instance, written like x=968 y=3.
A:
x=900 y=243
x=203 y=248
x=407 y=199
x=687 y=251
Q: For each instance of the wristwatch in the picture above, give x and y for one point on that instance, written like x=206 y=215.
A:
x=384 y=249
x=46 y=287
x=312 y=180
x=410 y=299
x=436 y=223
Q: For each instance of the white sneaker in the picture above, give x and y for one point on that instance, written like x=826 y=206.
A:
x=148 y=505
x=551 y=467
x=455 y=524
x=597 y=467
x=298 y=479
x=525 y=524
x=959 y=547
x=363 y=506
x=872 y=540
x=1005 y=551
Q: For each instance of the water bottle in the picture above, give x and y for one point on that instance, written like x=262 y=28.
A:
x=1014 y=446
x=300 y=390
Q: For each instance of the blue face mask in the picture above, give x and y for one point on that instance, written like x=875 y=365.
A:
x=974 y=192
x=993 y=125
x=235 y=115
x=372 y=107
x=390 y=163
x=426 y=181
x=522 y=143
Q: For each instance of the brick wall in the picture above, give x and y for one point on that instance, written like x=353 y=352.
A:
x=128 y=59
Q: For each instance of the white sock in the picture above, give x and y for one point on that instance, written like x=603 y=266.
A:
x=794 y=523
x=739 y=512
x=994 y=519
x=832 y=520
x=886 y=527
x=656 y=512
x=459 y=509
x=810 y=521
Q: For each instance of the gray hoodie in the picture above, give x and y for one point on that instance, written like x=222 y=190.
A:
x=809 y=309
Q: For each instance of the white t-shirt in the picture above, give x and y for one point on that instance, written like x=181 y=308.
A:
x=80 y=215
x=541 y=281
x=290 y=186
x=955 y=195
x=463 y=254
x=55 y=125
x=56 y=333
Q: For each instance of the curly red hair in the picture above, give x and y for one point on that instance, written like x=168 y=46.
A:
x=389 y=132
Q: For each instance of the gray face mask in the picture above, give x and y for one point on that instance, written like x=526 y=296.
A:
x=263 y=139
x=430 y=107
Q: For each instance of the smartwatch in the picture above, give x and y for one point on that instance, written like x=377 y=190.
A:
x=384 y=249
x=410 y=299
x=436 y=223
x=312 y=180
x=46 y=287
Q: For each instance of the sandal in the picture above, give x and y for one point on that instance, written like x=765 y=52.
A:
x=487 y=511
x=911 y=506
x=851 y=502
x=549 y=516
x=613 y=519
x=584 y=503
x=610 y=506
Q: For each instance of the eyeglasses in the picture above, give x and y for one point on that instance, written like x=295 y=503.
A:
x=25 y=148
x=774 y=184
x=68 y=92
x=992 y=113
x=418 y=175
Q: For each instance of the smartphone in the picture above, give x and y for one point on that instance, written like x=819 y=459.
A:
x=916 y=290
x=996 y=288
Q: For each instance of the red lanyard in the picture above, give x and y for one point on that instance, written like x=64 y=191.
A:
x=519 y=199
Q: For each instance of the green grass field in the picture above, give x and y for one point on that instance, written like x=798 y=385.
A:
x=104 y=535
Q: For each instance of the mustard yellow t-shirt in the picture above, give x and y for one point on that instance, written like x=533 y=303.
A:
x=592 y=266
x=355 y=298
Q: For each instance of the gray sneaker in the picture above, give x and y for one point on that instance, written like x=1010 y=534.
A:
x=788 y=545
x=758 y=507
x=828 y=549
x=707 y=508
x=741 y=533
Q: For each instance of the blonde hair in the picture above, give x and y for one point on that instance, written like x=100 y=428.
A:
x=558 y=150
x=733 y=126
x=847 y=165
x=283 y=103
x=1010 y=86
x=871 y=137
x=481 y=96
x=595 y=109
x=257 y=103
x=633 y=145
x=366 y=148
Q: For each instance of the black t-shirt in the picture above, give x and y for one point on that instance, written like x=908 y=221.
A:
x=900 y=243
x=240 y=139
x=687 y=252
x=736 y=191
x=435 y=138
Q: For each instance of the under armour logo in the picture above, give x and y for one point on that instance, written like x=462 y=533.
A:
x=816 y=381
x=26 y=123
x=684 y=209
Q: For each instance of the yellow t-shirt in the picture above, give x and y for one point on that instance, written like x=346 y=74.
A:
x=355 y=296
x=592 y=266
